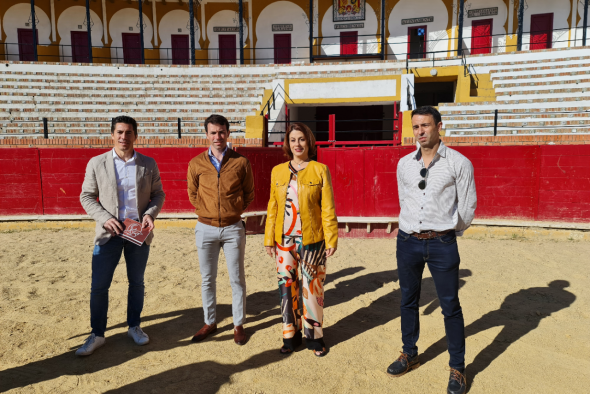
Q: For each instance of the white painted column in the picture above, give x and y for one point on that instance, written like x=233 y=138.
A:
x=53 y=30
x=105 y=22
x=510 y=17
x=203 y=24
x=454 y=25
x=573 y=27
x=250 y=23
x=316 y=13
x=155 y=23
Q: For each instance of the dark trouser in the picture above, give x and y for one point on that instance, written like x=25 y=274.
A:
x=442 y=256
x=104 y=261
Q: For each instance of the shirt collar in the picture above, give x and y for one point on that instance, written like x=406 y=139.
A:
x=116 y=156
x=222 y=153
x=442 y=150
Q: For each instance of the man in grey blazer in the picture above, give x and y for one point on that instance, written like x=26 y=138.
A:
x=127 y=185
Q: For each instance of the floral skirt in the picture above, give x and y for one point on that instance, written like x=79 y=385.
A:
x=291 y=254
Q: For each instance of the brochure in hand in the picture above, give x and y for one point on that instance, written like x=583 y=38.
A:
x=134 y=232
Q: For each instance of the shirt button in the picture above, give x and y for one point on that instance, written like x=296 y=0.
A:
x=423 y=194
x=421 y=207
x=420 y=222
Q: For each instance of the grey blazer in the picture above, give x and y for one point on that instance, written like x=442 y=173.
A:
x=100 y=182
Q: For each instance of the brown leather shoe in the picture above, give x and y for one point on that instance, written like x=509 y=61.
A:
x=203 y=332
x=240 y=335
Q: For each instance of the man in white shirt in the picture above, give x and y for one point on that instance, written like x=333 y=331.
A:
x=437 y=198
x=127 y=185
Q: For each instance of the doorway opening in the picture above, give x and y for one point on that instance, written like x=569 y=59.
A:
x=481 y=36
x=80 y=50
x=433 y=93
x=282 y=47
x=353 y=122
x=131 y=48
x=541 y=31
x=26 y=50
x=349 y=42
x=180 y=49
x=227 y=49
x=417 y=42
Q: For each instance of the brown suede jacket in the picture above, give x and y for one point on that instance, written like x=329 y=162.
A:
x=220 y=198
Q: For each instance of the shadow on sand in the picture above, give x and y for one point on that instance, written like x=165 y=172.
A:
x=169 y=334
x=514 y=314
x=519 y=314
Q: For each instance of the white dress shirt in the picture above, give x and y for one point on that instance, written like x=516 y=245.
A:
x=449 y=200
x=125 y=173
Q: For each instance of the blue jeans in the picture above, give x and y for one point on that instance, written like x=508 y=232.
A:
x=104 y=261
x=442 y=256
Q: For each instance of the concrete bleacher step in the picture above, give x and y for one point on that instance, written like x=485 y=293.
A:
x=70 y=98
x=528 y=78
x=551 y=93
x=487 y=131
x=543 y=85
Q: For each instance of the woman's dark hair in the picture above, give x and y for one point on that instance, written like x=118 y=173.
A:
x=124 y=119
x=309 y=138
x=428 y=110
x=219 y=120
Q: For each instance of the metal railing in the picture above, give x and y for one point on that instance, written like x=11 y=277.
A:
x=396 y=130
x=497 y=114
x=436 y=49
x=180 y=125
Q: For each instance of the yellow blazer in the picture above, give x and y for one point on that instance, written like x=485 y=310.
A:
x=316 y=205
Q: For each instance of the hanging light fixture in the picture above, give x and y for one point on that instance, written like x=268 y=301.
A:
x=31 y=19
x=188 y=25
x=137 y=24
x=91 y=22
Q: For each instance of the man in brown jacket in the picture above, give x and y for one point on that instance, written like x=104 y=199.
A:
x=220 y=187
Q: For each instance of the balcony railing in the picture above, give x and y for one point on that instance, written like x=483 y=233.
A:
x=323 y=48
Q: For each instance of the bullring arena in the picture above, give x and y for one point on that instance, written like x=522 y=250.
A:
x=510 y=80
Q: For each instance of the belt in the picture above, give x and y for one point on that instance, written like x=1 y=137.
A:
x=429 y=234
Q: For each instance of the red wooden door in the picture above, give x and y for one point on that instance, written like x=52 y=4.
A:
x=541 y=31
x=131 y=48
x=180 y=49
x=227 y=49
x=417 y=42
x=481 y=36
x=80 y=50
x=282 y=48
x=349 y=42
x=26 y=51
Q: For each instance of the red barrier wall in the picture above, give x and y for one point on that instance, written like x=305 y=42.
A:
x=20 y=182
x=564 y=183
x=61 y=173
x=522 y=182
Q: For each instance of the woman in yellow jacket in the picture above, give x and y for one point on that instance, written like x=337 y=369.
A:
x=301 y=229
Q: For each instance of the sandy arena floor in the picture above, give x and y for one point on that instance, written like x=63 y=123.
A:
x=526 y=305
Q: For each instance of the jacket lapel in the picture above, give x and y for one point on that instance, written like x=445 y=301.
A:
x=139 y=169
x=109 y=163
x=139 y=175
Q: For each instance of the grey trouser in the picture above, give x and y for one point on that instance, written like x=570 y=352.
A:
x=209 y=241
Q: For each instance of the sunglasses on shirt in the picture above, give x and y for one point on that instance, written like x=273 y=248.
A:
x=423 y=174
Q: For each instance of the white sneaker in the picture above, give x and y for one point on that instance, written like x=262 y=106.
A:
x=90 y=345
x=140 y=337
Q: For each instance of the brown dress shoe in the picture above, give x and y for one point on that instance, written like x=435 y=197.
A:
x=203 y=332
x=240 y=335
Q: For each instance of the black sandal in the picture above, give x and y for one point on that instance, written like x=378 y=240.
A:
x=317 y=346
x=290 y=344
x=322 y=352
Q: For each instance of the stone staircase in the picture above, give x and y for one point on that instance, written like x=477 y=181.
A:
x=538 y=96
x=81 y=100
